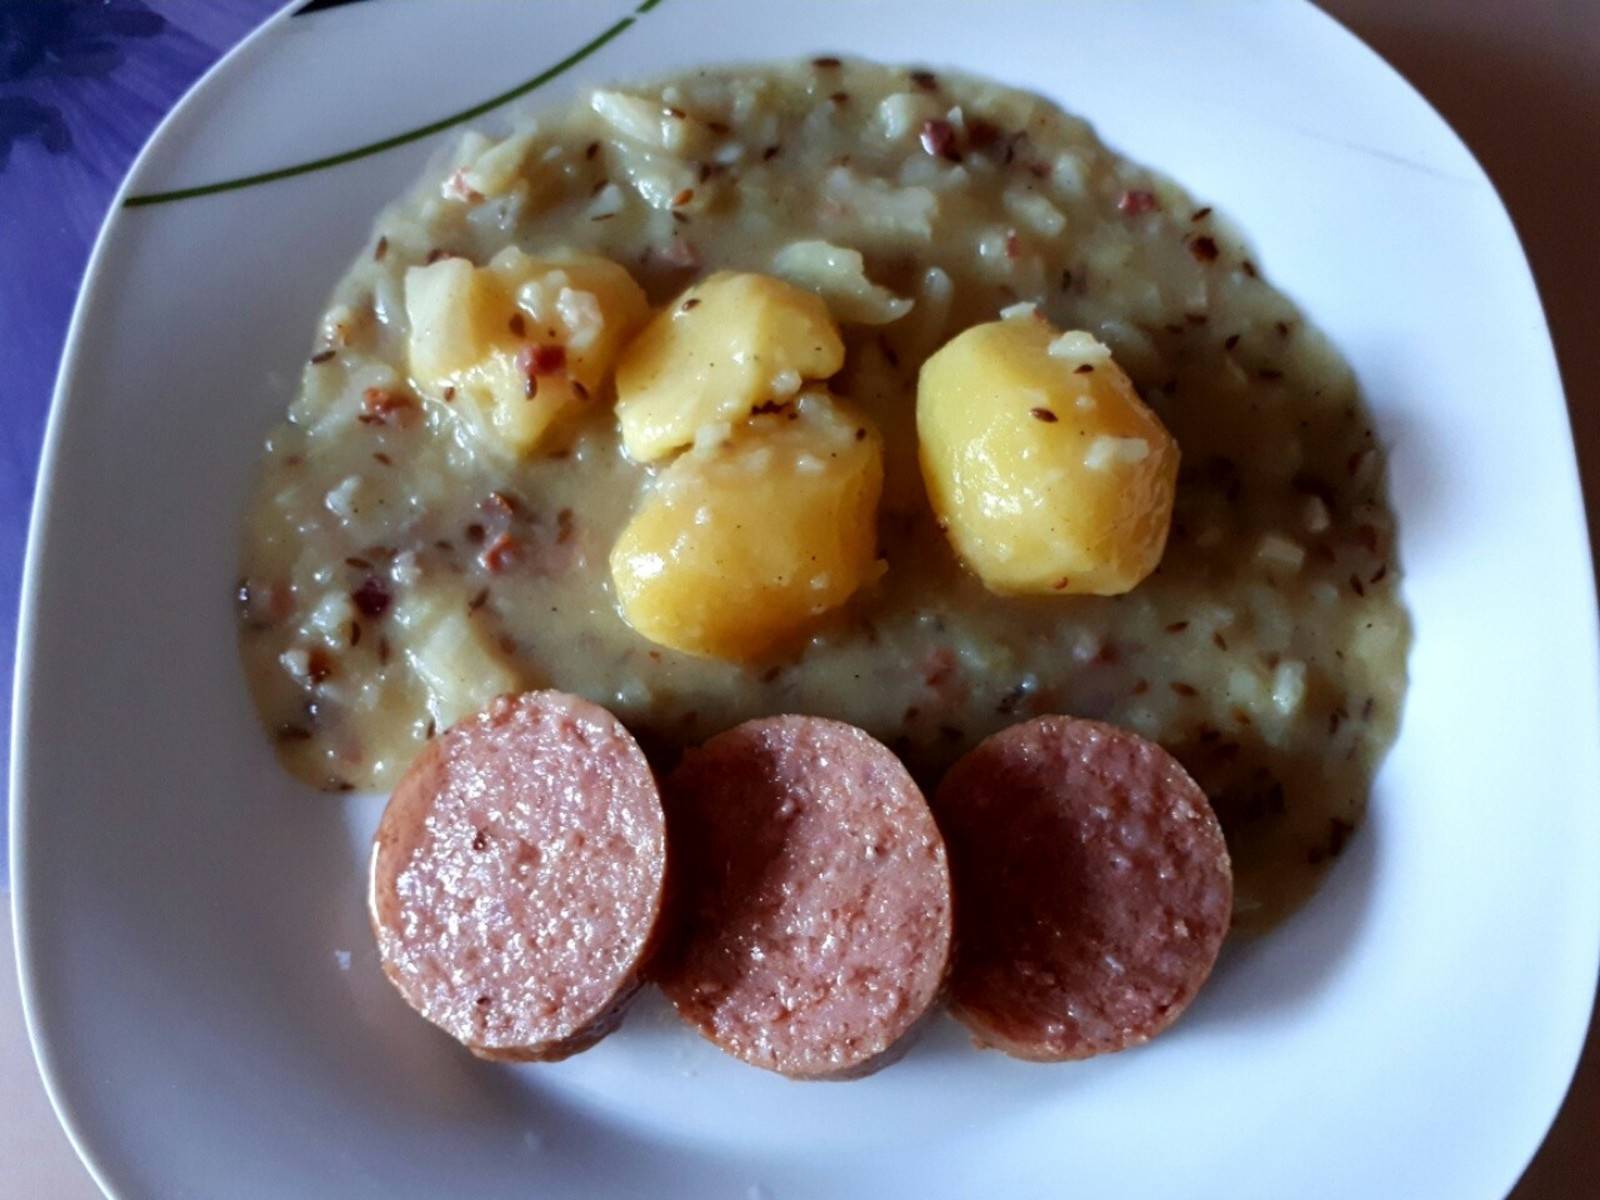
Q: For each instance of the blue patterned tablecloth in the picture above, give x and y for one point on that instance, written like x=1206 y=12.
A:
x=82 y=85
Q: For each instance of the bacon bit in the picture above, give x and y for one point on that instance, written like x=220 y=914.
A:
x=1357 y=586
x=706 y=170
x=371 y=598
x=888 y=351
x=1185 y=690
x=861 y=433
x=677 y=114
x=1203 y=248
x=682 y=218
x=321 y=356
x=591 y=150
x=1249 y=268
x=681 y=253
x=1083 y=369
x=719 y=127
x=544 y=358
x=1038 y=170
x=578 y=390
x=1200 y=214
x=939 y=139
x=319 y=664
x=683 y=198
x=770 y=153
x=478 y=601
x=501 y=554
x=450 y=394
x=383 y=650
x=840 y=97
x=474 y=533
x=826 y=63
x=926 y=80
x=1045 y=415
x=1242 y=717
x=380 y=249
x=293 y=733
x=1066 y=280
x=691 y=303
x=940 y=666
x=1141 y=686
x=380 y=406
x=1335 y=719
x=564 y=526
x=380 y=456
x=1137 y=201
x=1282 y=327
x=1013 y=244
x=1217 y=640
x=518 y=325
x=500 y=504
x=599 y=186
x=437 y=253
x=771 y=674
x=1230 y=341
x=1177 y=627
x=354 y=561
x=1378 y=575
x=457 y=188
x=982 y=134
x=1061 y=584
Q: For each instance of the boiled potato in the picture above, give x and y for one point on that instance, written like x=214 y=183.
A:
x=517 y=344
x=740 y=545
x=722 y=349
x=1045 y=467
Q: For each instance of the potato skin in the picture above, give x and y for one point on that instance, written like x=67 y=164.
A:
x=740 y=546
x=1046 y=469
x=726 y=346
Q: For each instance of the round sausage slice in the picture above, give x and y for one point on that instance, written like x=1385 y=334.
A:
x=517 y=877
x=816 y=898
x=1095 y=888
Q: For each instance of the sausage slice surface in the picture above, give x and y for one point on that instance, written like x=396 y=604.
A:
x=1094 y=888
x=517 y=877
x=816 y=897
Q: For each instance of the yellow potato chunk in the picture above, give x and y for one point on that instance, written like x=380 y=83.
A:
x=722 y=349
x=1042 y=462
x=741 y=545
x=514 y=346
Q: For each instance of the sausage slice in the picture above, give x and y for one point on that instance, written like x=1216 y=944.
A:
x=517 y=877
x=1095 y=888
x=816 y=897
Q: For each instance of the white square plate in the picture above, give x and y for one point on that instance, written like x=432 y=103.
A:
x=200 y=981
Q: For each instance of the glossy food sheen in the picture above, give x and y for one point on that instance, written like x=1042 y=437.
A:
x=746 y=540
x=726 y=346
x=1048 y=471
x=1094 y=884
x=817 y=906
x=517 y=877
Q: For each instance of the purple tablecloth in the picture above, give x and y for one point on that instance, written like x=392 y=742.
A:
x=82 y=85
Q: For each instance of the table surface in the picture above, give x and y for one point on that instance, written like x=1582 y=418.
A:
x=1519 y=84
